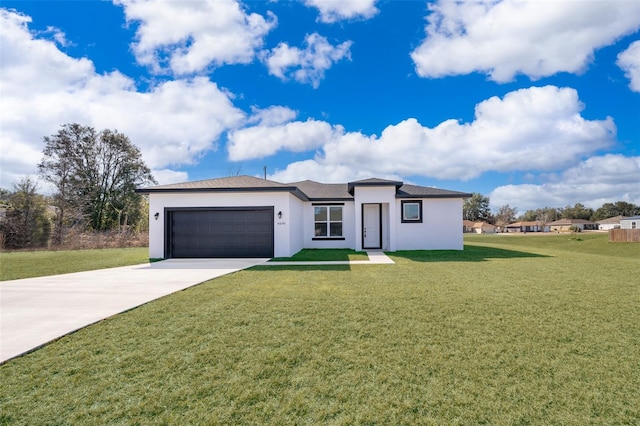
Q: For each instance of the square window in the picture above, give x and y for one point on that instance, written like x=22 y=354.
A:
x=321 y=229
x=327 y=222
x=320 y=213
x=411 y=211
x=335 y=214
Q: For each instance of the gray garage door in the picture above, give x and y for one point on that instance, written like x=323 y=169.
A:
x=222 y=232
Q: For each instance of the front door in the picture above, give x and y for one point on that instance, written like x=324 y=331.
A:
x=371 y=226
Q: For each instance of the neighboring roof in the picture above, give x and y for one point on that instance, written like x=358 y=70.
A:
x=565 y=221
x=631 y=218
x=483 y=225
x=525 y=223
x=477 y=225
x=611 y=220
x=305 y=190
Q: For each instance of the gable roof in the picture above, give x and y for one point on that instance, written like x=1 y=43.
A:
x=477 y=225
x=525 y=223
x=615 y=220
x=306 y=190
x=566 y=221
x=324 y=191
x=226 y=184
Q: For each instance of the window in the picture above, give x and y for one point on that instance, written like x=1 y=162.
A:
x=411 y=211
x=633 y=225
x=328 y=221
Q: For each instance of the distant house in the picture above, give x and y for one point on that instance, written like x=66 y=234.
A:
x=632 y=222
x=609 y=223
x=478 y=227
x=527 y=226
x=566 y=225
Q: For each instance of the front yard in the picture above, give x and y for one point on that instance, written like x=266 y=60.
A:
x=514 y=330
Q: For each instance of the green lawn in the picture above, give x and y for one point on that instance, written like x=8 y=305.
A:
x=514 y=330
x=28 y=264
x=321 y=255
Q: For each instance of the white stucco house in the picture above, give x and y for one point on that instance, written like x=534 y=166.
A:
x=632 y=222
x=244 y=216
x=609 y=223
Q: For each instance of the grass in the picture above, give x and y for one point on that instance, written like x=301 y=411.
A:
x=583 y=243
x=511 y=331
x=28 y=264
x=324 y=255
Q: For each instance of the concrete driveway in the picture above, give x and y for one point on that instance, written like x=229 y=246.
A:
x=35 y=311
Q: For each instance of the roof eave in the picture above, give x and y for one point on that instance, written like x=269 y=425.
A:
x=292 y=189
x=409 y=196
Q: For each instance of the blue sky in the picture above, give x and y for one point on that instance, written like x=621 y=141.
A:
x=533 y=104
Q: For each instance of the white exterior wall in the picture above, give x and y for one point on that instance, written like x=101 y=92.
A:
x=440 y=229
x=295 y=219
x=627 y=223
x=385 y=195
x=607 y=226
x=284 y=243
x=348 y=227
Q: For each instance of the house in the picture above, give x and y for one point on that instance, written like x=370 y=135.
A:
x=609 y=223
x=478 y=227
x=244 y=216
x=527 y=226
x=567 y=225
x=632 y=222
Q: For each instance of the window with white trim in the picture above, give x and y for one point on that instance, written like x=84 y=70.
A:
x=327 y=221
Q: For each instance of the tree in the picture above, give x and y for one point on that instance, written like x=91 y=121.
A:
x=578 y=211
x=59 y=167
x=619 y=208
x=506 y=214
x=27 y=223
x=544 y=215
x=95 y=174
x=476 y=208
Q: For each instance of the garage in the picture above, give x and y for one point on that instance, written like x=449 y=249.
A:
x=219 y=232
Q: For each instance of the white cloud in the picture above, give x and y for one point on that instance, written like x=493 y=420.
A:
x=190 y=36
x=272 y=116
x=506 y=38
x=262 y=141
x=306 y=65
x=629 y=61
x=593 y=182
x=42 y=88
x=166 y=176
x=539 y=128
x=337 y=10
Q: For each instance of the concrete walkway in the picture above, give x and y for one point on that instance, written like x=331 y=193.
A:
x=35 y=311
x=375 y=258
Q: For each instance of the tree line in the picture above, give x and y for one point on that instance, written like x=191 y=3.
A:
x=476 y=209
x=93 y=175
